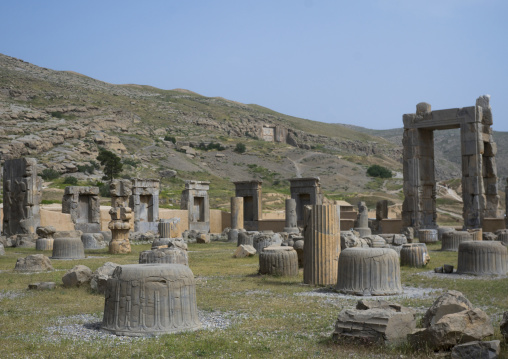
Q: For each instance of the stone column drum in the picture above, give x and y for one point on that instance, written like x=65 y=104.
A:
x=450 y=240
x=120 y=226
x=427 y=235
x=280 y=261
x=502 y=236
x=414 y=255
x=236 y=212
x=164 y=229
x=150 y=299
x=482 y=258
x=321 y=245
x=291 y=217
x=164 y=255
x=68 y=248
x=369 y=271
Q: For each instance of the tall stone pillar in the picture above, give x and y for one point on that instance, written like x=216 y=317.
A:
x=291 y=217
x=322 y=244
x=236 y=212
x=381 y=210
x=362 y=222
x=120 y=226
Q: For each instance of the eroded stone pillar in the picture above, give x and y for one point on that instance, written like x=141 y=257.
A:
x=120 y=226
x=236 y=212
x=381 y=210
x=321 y=245
x=291 y=217
x=362 y=221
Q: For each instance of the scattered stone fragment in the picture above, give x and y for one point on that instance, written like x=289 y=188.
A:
x=504 y=326
x=447 y=268
x=438 y=270
x=477 y=349
x=93 y=241
x=42 y=286
x=448 y=303
x=203 y=238
x=244 y=250
x=101 y=276
x=489 y=236
x=33 y=263
x=77 y=276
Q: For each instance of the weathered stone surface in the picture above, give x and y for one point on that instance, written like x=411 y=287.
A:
x=262 y=240
x=381 y=210
x=120 y=191
x=298 y=247
x=291 y=225
x=427 y=235
x=504 y=326
x=305 y=192
x=236 y=213
x=376 y=321
x=174 y=310
x=68 y=248
x=447 y=268
x=2 y=250
x=164 y=255
x=502 y=235
x=453 y=329
x=443 y=230
x=244 y=250
x=67 y=234
x=168 y=227
x=45 y=232
x=489 y=236
x=44 y=244
x=196 y=201
x=170 y=243
x=82 y=203
x=414 y=255
x=477 y=350
x=120 y=226
x=98 y=282
x=203 y=238
x=369 y=271
x=409 y=232
x=252 y=202
x=93 y=241
x=448 y=303
x=77 y=276
x=375 y=241
x=42 y=286
x=33 y=263
x=482 y=258
x=450 y=240
x=144 y=203
x=25 y=241
x=394 y=238
x=362 y=221
x=279 y=261
x=322 y=244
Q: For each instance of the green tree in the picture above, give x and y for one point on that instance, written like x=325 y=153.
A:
x=379 y=171
x=240 y=147
x=111 y=162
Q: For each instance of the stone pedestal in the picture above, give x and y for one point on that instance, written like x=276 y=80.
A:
x=279 y=261
x=321 y=244
x=68 y=248
x=150 y=299
x=450 y=240
x=236 y=212
x=482 y=258
x=291 y=217
x=427 y=235
x=414 y=255
x=120 y=226
x=164 y=255
x=369 y=271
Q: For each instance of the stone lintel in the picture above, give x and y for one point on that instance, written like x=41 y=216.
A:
x=82 y=190
x=197 y=185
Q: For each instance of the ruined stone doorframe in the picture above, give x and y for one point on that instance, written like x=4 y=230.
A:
x=479 y=171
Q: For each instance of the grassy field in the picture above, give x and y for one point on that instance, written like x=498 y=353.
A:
x=268 y=316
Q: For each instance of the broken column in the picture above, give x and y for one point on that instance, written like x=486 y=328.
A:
x=321 y=245
x=21 y=197
x=82 y=203
x=251 y=193
x=145 y=204
x=305 y=191
x=291 y=217
x=381 y=210
x=362 y=222
x=414 y=255
x=236 y=212
x=195 y=200
x=482 y=258
x=120 y=226
x=68 y=248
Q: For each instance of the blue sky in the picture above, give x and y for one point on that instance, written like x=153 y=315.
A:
x=358 y=62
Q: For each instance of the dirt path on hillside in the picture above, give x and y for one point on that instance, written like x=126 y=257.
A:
x=298 y=165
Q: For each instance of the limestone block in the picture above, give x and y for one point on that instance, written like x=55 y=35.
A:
x=377 y=321
x=489 y=236
x=164 y=255
x=45 y=232
x=203 y=238
x=170 y=243
x=375 y=241
x=25 y=241
x=482 y=258
x=414 y=255
x=279 y=261
x=93 y=241
x=262 y=240
x=452 y=329
x=427 y=235
x=477 y=349
x=44 y=244
x=77 y=276
x=447 y=303
x=451 y=240
x=33 y=263
x=504 y=326
x=107 y=235
x=244 y=250
x=409 y=232
x=42 y=286
x=369 y=271
x=321 y=244
x=67 y=234
x=99 y=279
x=150 y=299
x=393 y=238
x=120 y=246
x=68 y=248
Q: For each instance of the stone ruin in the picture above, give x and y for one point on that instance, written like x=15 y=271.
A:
x=305 y=191
x=362 y=221
x=479 y=172
x=145 y=204
x=21 y=197
x=82 y=203
x=251 y=193
x=195 y=200
x=120 y=191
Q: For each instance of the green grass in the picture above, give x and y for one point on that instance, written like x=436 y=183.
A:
x=268 y=318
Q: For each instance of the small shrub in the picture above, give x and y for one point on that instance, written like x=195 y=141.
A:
x=379 y=171
x=240 y=148
x=170 y=138
x=86 y=168
x=71 y=180
x=103 y=189
x=49 y=174
x=130 y=162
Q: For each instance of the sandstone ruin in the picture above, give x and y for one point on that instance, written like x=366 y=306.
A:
x=195 y=200
x=305 y=191
x=82 y=203
x=145 y=204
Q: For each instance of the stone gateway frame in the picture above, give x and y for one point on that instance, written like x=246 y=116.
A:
x=479 y=171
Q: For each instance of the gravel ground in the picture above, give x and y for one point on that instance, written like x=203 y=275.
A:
x=87 y=327
x=11 y=294
x=454 y=275
x=409 y=292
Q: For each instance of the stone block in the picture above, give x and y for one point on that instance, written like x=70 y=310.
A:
x=99 y=279
x=414 y=255
x=244 y=250
x=203 y=238
x=262 y=240
x=77 y=276
x=44 y=244
x=490 y=149
x=477 y=349
x=504 y=326
x=447 y=303
x=422 y=108
x=68 y=248
x=93 y=241
x=33 y=263
x=451 y=240
x=164 y=255
x=482 y=258
x=42 y=286
x=279 y=261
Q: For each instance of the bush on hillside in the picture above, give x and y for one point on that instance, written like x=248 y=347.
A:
x=379 y=171
x=240 y=148
x=71 y=180
x=49 y=174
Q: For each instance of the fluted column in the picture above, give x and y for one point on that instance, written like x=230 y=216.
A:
x=236 y=212
x=322 y=244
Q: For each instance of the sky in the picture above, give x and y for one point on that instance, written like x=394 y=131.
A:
x=364 y=62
